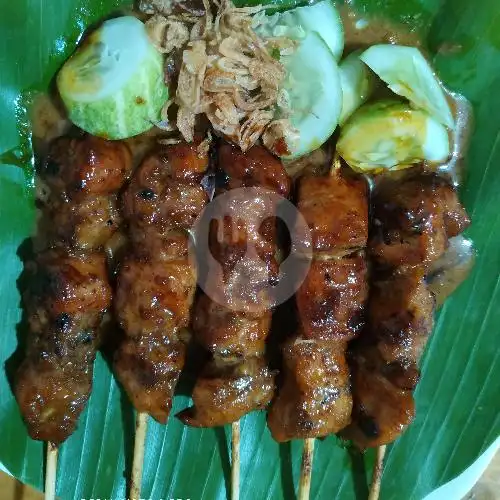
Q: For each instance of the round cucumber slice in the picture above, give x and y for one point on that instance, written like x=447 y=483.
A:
x=322 y=17
x=407 y=73
x=392 y=135
x=358 y=84
x=314 y=92
x=113 y=84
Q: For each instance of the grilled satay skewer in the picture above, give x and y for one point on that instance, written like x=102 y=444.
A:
x=413 y=220
x=69 y=290
x=233 y=318
x=315 y=398
x=157 y=281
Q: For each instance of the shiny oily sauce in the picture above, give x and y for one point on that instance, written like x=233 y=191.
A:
x=454 y=266
x=49 y=122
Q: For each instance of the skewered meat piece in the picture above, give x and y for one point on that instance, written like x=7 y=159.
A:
x=89 y=166
x=315 y=399
x=400 y=316
x=154 y=295
x=336 y=210
x=243 y=247
x=316 y=396
x=400 y=320
x=65 y=304
x=228 y=390
x=165 y=193
x=69 y=290
x=149 y=371
x=381 y=410
x=331 y=299
x=413 y=220
x=422 y=214
x=85 y=224
x=83 y=177
x=233 y=320
x=255 y=168
x=229 y=333
x=157 y=281
x=153 y=300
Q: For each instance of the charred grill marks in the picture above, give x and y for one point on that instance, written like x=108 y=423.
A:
x=414 y=220
x=69 y=290
x=237 y=379
x=315 y=399
x=157 y=281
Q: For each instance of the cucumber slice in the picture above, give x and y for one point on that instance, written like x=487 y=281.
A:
x=407 y=73
x=314 y=92
x=358 y=84
x=392 y=135
x=113 y=84
x=321 y=17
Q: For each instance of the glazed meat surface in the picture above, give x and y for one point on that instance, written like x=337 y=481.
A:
x=381 y=410
x=68 y=290
x=413 y=221
x=400 y=320
x=83 y=177
x=156 y=282
x=257 y=168
x=335 y=208
x=87 y=224
x=242 y=246
x=315 y=398
x=233 y=319
x=228 y=333
x=331 y=299
x=225 y=392
x=400 y=315
x=149 y=368
x=68 y=295
x=83 y=167
x=153 y=297
x=165 y=192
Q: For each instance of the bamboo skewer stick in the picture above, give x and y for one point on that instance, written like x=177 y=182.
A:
x=141 y=425
x=306 y=469
x=235 y=460
x=336 y=165
x=377 y=474
x=308 y=452
x=51 y=471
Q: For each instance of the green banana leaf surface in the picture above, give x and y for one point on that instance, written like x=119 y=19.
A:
x=458 y=398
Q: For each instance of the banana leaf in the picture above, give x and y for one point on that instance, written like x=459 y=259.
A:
x=458 y=399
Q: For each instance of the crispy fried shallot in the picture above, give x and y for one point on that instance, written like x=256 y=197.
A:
x=227 y=73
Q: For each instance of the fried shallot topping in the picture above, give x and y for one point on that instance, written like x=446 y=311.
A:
x=227 y=72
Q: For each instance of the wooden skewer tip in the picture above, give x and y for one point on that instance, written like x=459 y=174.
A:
x=235 y=460
x=141 y=424
x=336 y=165
x=51 y=471
x=306 y=470
x=377 y=474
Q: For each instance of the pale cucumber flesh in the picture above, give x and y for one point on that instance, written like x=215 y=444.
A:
x=313 y=85
x=407 y=73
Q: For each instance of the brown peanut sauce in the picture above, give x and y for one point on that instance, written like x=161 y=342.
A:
x=361 y=32
x=454 y=266
x=49 y=122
